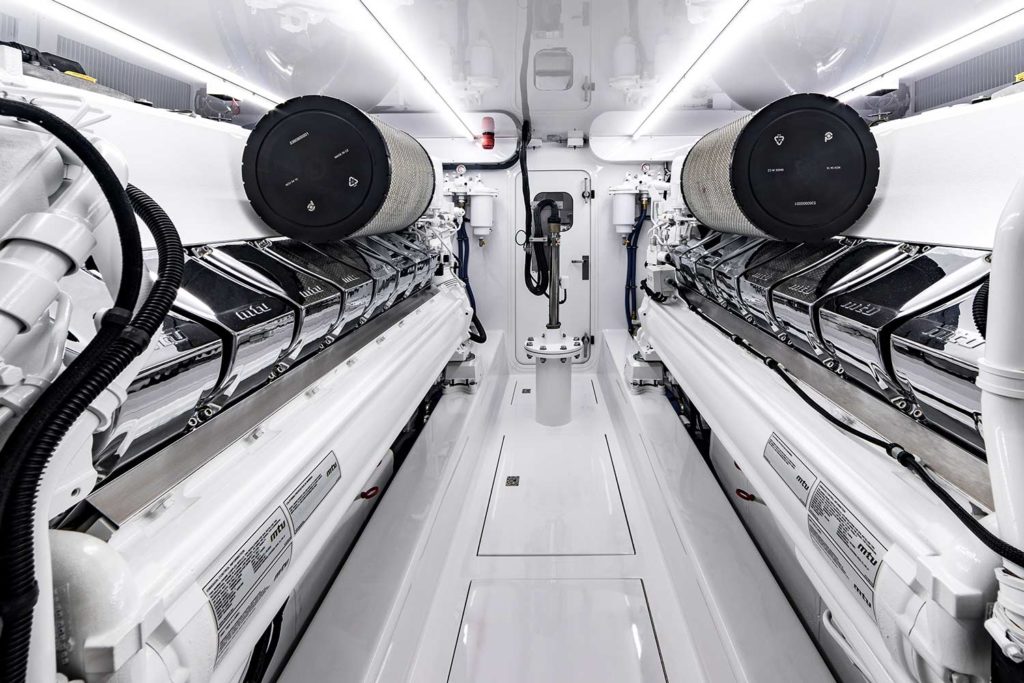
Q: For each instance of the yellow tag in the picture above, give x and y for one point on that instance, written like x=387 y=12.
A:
x=1019 y=77
x=93 y=80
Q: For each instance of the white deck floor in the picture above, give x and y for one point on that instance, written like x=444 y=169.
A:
x=580 y=553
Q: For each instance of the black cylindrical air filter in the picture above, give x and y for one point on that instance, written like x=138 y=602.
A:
x=803 y=169
x=317 y=168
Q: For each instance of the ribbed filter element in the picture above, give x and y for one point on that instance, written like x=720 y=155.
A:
x=316 y=168
x=412 y=183
x=804 y=168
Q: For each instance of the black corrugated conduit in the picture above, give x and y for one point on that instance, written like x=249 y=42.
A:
x=631 y=246
x=477 y=333
x=121 y=338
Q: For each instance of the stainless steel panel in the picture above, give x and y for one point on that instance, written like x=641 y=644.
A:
x=857 y=325
x=384 y=275
x=184 y=365
x=256 y=328
x=795 y=301
x=315 y=303
x=936 y=356
x=135 y=490
x=355 y=285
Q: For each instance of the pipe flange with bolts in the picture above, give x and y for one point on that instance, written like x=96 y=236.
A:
x=554 y=352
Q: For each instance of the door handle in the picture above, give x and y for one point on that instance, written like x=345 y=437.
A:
x=585 y=262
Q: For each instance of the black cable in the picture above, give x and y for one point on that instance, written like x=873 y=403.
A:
x=30 y=447
x=536 y=250
x=462 y=244
x=19 y=476
x=651 y=294
x=477 y=333
x=912 y=463
x=820 y=409
x=991 y=541
x=630 y=293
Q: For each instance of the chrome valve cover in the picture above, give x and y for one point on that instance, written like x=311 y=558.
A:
x=935 y=355
x=903 y=322
x=185 y=364
x=757 y=281
x=797 y=299
x=315 y=304
x=384 y=275
x=371 y=248
x=355 y=285
x=256 y=328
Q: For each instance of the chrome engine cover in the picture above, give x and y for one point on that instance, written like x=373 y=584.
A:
x=245 y=314
x=897 y=320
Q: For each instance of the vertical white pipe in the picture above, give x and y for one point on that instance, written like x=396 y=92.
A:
x=1001 y=379
x=1001 y=372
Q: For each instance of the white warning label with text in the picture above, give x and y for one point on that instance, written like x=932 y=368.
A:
x=236 y=590
x=798 y=476
x=858 y=586
x=312 y=490
x=846 y=531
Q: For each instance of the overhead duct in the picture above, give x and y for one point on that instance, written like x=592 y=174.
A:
x=316 y=168
x=804 y=168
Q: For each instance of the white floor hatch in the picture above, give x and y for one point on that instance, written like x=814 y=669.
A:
x=517 y=630
x=555 y=489
x=506 y=551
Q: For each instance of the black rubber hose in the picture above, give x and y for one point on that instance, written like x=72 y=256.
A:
x=171 y=266
x=631 y=246
x=17 y=600
x=77 y=389
x=908 y=460
x=537 y=287
x=535 y=250
x=462 y=240
x=656 y=296
x=979 y=309
x=477 y=333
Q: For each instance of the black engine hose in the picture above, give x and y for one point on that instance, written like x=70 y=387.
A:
x=539 y=287
x=462 y=240
x=979 y=308
x=477 y=333
x=30 y=450
x=631 y=246
x=17 y=599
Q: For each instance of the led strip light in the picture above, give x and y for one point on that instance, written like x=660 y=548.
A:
x=652 y=114
x=985 y=29
x=446 y=107
x=147 y=47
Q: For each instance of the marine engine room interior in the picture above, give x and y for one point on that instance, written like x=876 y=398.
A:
x=511 y=341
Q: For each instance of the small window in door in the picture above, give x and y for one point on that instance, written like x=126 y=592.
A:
x=553 y=69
